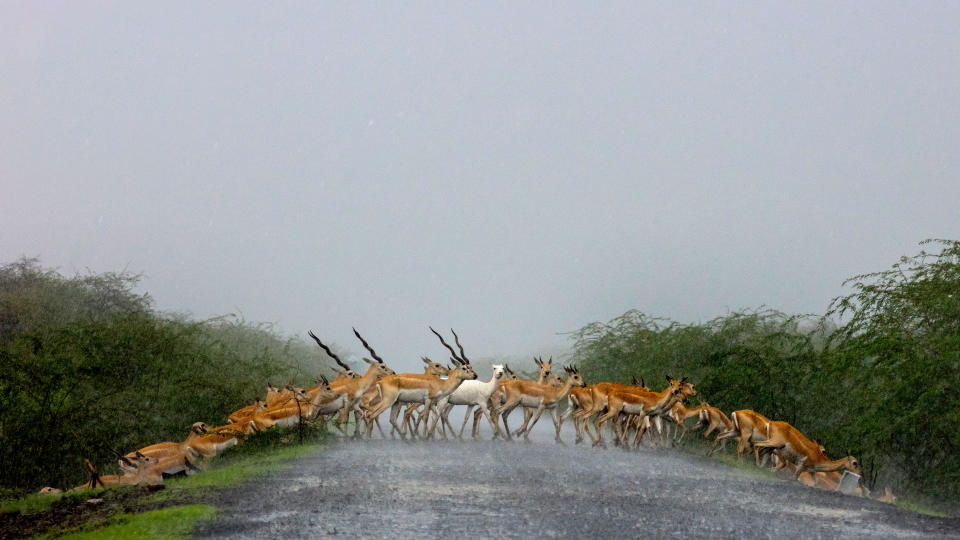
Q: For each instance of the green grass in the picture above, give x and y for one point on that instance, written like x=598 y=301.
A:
x=32 y=504
x=173 y=522
x=914 y=506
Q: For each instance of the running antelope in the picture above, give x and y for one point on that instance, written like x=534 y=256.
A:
x=749 y=427
x=472 y=394
x=715 y=420
x=538 y=396
x=642 y=404
x=353 y=389
x=807 y=455
x=416 y=388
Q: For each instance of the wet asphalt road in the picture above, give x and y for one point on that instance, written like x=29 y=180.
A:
x=489 y=489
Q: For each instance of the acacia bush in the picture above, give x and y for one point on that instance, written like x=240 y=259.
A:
x=875 y=376
x=88 y=369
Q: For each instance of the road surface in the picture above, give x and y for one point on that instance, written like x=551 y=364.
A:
x=489 y=489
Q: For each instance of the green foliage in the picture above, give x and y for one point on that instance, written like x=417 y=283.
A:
x=880 y=385
x=87 y=369
x=173 y=522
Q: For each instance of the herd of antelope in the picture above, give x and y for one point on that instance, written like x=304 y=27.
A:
x=426 y=400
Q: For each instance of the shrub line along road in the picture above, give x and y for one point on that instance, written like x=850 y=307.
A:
x=488 y=489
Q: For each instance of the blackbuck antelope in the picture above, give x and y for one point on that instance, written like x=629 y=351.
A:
x=353 y=389
x=715 y=420
x=644 y=405
x=794 y=447
x=472 y=394
x=417 y=388
x=138 y=470
x=580 y=399
x=537 y=396
x=679 y=414
x=749 y=427
x=189 y=446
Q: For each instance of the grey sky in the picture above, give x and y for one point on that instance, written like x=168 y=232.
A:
x=511 y=171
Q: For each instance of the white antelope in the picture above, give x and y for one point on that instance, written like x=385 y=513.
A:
x=417 y=388
x=472 y=394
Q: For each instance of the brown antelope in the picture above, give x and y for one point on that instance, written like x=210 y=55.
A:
x=432 y=369
x=749 y=427
x=498 y=398
x=643 y=404
x=542 y=379
x=287 y=414
x=353 y=389
x=245 y=413
x=164 y=449
x=539 y=396
x=418 y=388
x=679 y=414
x=596 y=402
x=796 y=448
x=139 y=468
x=715 y=420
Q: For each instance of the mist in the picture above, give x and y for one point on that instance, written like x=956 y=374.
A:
x=513 y=172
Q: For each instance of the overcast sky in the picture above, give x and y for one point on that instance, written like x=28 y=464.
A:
x=512 y=171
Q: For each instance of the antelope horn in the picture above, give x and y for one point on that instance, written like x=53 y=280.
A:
x=367 y=346
x=459 y=346
x=330 y=353
x=445 y=344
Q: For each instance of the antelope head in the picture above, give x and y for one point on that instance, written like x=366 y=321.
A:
x=463 y=370
x=554 y=380
x=199 y=428
x=508 y=374
x=544 y=368
x=498 y=371
x=435 y=368
x=574 y=376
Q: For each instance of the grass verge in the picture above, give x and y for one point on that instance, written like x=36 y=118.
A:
x=99 y=511
x=173 y=522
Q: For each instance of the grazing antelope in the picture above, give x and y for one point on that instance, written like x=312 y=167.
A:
x=353 y=389
x=796 y=448
x=417 y=388
x=749 y=427
x=539 y=396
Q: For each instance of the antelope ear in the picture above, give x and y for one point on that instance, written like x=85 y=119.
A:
x=425 y=360
x=642 y=383
x=369 y=361
x=683 y=380
x=669 y=378
x=536 y=361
